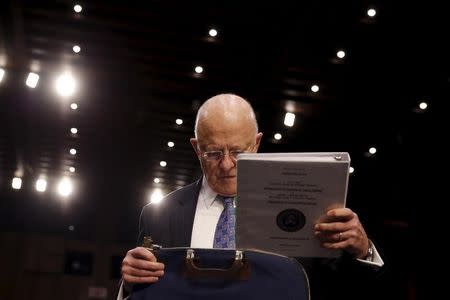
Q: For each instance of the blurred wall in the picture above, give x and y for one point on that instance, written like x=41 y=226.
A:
x=46 y=267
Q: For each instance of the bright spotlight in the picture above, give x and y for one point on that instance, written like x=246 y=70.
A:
x=289 y=119
x=179 y=121
x=76 y=49
x=315 y=88
x=16 y=183
x=74 y=106
x=73 y=151
x=212 y=32
x=65 y=85
x=277 y=136
x=73 y=130
x=351 y=170
x=77 y=8
x=72 y=170
x=32 y=80
x=41 y=185
x=423 y=105
x=65 y=187
x=156 y=180
x=2 y=73
x=372 y=150
x=163 y=163
x=198 y=69
x=371 y=12
x=340 y=54
x=170 y=144
x=156 y=196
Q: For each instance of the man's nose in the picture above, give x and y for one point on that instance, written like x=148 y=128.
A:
x=226 y=163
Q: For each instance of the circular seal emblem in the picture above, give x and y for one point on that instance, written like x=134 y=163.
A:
x=290 y=220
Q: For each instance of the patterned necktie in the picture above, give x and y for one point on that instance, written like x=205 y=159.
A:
x=224 y=236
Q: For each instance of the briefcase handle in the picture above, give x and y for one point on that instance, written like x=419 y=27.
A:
x=239 y=270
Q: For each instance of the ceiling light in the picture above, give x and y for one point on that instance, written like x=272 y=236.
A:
x=315 y=88
x=156 y=180
x=77 y=8
x=2 y=73
x=289 y=119
x=277 y=136
x=163 y=163
x=340 y=54
x=76 y=49
x=198 y=69
x=16 y=183
x=170 y=144
x=65 y=85
x=212 y=32
x=73 y=151
x=351 y=170
x=179 y=121
x=73 y=130
x=65 y=187
x=156 y=196
x=371 y=12
x=372 y=150
x=72 y=170
x=74 y=106
x=423 y=105
x=41 y=185
x=32 y=80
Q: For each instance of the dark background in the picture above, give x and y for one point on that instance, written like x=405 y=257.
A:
x=135 y=75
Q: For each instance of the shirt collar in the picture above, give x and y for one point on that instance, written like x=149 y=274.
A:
x=207 y=194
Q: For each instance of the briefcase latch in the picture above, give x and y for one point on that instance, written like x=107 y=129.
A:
x=239 y=270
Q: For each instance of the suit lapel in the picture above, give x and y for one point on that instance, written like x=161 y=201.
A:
x=186 y=208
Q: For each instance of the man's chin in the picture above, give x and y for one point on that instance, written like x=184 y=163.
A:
x=229 y=192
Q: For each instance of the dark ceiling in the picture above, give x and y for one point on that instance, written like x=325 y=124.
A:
x=135 y=75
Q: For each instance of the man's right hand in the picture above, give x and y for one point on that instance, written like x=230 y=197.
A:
x=140 y=266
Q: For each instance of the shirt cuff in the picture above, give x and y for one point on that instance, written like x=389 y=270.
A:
x=376 y=260
x=120 y=294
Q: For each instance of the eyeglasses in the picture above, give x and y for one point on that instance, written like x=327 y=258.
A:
x=218 y=155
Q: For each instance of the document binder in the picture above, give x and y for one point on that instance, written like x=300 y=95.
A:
x=280 y=196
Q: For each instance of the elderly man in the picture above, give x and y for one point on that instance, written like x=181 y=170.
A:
x=226 y=126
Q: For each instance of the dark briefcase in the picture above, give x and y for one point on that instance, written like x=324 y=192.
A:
x=225 y=274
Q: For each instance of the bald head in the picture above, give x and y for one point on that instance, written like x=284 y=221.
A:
x=225 y=109
x=226 y=124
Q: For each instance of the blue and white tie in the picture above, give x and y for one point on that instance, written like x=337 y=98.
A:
x=224 y=236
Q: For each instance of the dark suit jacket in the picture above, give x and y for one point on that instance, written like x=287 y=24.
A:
x=170 y=223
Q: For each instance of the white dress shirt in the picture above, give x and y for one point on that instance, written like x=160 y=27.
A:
x=207 y=214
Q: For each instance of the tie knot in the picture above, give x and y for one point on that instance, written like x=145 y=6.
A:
x=227 y=201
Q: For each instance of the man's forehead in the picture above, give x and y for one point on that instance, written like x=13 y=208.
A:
x=236 y=140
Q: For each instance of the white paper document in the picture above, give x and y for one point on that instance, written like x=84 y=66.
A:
x=280 y=196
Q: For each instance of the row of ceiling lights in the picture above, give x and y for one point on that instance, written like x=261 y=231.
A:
x=65 y=85
x=289 y=118
x=64 y=186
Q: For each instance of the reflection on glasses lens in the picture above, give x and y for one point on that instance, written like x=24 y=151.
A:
x=213 y=155
x=217 y=155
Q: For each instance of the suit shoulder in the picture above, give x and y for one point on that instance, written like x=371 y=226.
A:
x=177 y=195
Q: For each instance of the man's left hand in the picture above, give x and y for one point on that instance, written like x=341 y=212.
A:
x=341 y=229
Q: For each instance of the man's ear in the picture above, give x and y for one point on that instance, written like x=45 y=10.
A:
x=194 y=143
x=258 y=141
